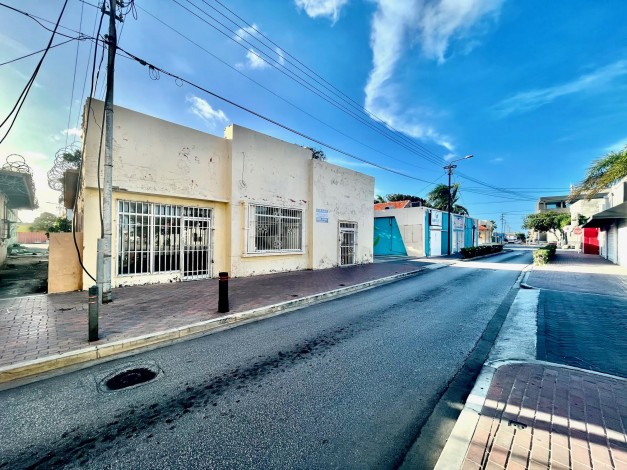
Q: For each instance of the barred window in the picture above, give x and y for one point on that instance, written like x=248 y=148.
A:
x=273 y=229
x=149 y=238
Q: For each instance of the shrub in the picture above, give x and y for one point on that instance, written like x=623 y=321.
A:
x=474 y=251
x=544 y=254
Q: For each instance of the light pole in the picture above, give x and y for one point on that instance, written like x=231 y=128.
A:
x=449 y=169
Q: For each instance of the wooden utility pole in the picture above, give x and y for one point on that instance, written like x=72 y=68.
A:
x=104 y=244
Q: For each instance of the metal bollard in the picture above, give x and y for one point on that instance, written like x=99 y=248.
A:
x=223 y=292
x=93 y=313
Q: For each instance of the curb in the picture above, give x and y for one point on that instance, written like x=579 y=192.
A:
x=26 y=369
x=485 y=256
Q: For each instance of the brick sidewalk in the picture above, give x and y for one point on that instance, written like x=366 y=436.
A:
x=43 y=325
x=539 y=417
x=575 y=272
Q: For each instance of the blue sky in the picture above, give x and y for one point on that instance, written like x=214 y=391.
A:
x=534 y=90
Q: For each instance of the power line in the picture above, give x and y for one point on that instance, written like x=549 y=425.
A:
x=42 y=50
x=69 y=117
x=278 y=96
x=277 y=65
x=22 y=98
x=265 y=118
x=281 y=68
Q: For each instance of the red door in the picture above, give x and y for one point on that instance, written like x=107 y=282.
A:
x=591 y=241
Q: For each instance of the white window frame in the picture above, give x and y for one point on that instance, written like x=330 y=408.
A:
x=268 y=243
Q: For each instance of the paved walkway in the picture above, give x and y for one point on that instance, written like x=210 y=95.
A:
x=538 y=415
x=40 y=326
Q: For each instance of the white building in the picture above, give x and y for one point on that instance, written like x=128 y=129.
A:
x=187 y=205
x=611 y=220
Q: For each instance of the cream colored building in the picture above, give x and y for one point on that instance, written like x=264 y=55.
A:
x=188 y=205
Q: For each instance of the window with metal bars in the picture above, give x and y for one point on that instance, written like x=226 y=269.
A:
x=148 y=238
x=274 y=229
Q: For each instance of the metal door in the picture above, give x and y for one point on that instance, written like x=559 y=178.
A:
x=591 y=241
x=348 y=243
x=196 y=243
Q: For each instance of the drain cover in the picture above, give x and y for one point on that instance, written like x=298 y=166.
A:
x=131 y=376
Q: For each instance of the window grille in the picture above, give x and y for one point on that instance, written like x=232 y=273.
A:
x=134 y=237
x=273 y=229
x=167 y=238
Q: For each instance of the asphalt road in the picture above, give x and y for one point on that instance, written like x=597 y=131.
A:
x=343 y=384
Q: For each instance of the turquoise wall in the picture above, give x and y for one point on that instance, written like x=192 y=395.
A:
x=387 y=237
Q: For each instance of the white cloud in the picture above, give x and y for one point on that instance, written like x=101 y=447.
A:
x=620 y=145
x=397 y=23
x=245 y=33
x=322 y=8
x=206 y=112
x=255 y=61
x=73 y=131
x=496 y=160
x=532 y=99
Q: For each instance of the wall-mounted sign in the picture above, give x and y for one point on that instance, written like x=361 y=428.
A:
x=458 y=222
x=436 y=218
x=322 y=216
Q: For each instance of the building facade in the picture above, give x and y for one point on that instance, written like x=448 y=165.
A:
x=421 y=231
x=611 y=223
x=187 y=204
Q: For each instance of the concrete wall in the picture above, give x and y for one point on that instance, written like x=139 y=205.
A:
x=64 y=269
x=152 y=156
x=160 y=162
x=266 y=171
x=411 y=224
x=346 y=196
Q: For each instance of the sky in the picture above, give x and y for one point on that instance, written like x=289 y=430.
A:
x=534 y=90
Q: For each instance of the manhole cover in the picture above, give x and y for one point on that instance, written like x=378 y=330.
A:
x=131 y=376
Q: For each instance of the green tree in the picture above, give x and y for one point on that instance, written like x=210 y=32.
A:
x=438 y=199
x=378 y=199
x=521 y=236
x=406 y=197
x=43 y=222
x=551 y=221
x=493 y=222
x=317 y=154
x=60 y=225
x=73 y=158
x=602 y=174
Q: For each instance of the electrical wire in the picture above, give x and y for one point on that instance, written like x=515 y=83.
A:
x=69 y=117
x=265 y=118
x=432 y=157
x=42 y=50
x=22 y=98
x=276 y=95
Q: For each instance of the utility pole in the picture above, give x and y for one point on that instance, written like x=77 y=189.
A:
x=449 y=168
x=503 y=224
x=104 y=243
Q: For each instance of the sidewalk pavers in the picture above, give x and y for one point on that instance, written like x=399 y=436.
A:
x=37 y=327
x=540 y=416
x=530 y=414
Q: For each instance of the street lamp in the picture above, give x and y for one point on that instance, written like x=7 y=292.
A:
x=449 y=169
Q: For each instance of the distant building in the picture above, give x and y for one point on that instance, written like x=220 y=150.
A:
x=611 y=223
x=421 y=231
x=17 y=191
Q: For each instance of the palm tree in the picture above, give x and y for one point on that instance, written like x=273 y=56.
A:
x=602 y=174
x=438 y=199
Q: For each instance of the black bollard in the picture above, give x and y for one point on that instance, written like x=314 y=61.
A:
x=223 y=292
x=93 y=313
